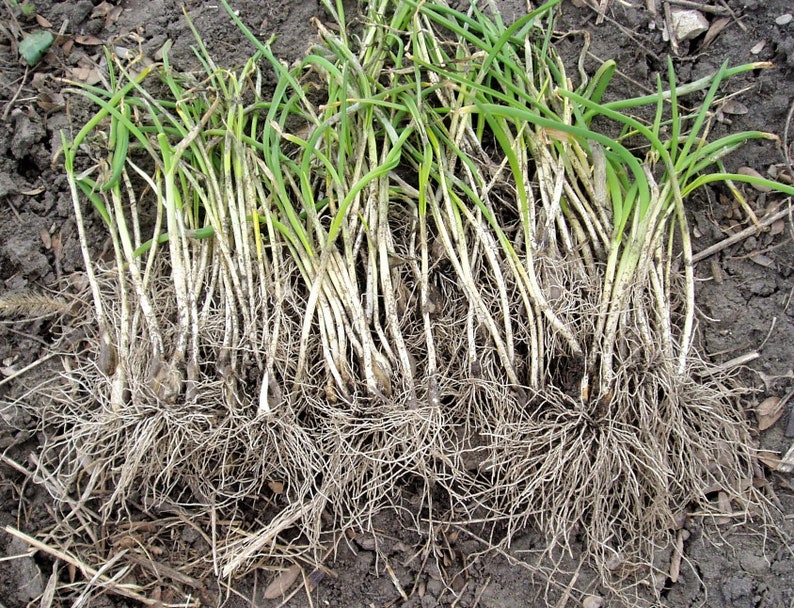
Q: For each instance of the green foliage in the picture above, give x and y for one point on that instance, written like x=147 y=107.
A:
x=26 y=8
x=35 y=45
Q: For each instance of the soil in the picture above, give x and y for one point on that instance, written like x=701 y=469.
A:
x=745 y=296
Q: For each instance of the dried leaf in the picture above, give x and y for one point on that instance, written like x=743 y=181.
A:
x=777 y=227
x=88 y=40
x=113 y=16
x=770 y=459
x=763 y=260
x=556 y=134
x=281 y=584
x=46 y=239
x=50 y=102
x=84 y=74
x=734 y=107
x=750 y=172
x=715 y=29
x=769 y=406
x=43 y=23
x=102 y=9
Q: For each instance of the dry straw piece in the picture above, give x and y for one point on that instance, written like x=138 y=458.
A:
x=414 y=263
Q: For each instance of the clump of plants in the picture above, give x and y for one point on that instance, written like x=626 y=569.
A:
x=418 y=261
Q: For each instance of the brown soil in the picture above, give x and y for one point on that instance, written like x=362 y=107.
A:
x=744 y=291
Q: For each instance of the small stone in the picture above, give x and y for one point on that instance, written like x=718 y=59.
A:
x=688 y=24
x=785 y=19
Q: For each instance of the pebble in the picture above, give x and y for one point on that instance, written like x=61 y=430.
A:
x=785 y=19
x=688 y=24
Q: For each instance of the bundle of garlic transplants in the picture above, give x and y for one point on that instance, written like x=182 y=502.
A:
x=414 y=265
